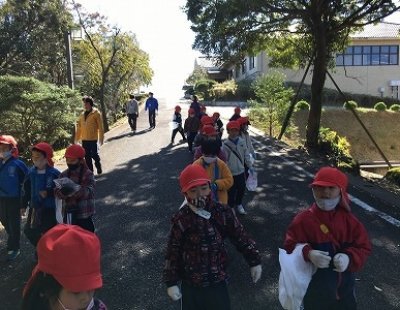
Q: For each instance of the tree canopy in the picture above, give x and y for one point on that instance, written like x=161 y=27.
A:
x=315 y=29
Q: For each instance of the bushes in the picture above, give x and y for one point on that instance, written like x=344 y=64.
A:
x=224 y=90
x=203 y=88
x=302 y=105
x=35 y=111
x=393 y=175
x=380 y=106
x=395 y=107
x=350 y=105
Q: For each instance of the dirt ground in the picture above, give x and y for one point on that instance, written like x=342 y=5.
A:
x=383 y=126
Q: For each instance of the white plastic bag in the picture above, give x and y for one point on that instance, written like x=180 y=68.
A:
x=251 y=182
x=294 y=278
x=59 y=211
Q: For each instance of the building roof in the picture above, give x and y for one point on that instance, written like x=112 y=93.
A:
x=379 y=30
x=206 y=62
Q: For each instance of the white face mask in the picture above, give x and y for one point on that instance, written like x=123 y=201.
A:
x=209 y=160
x=89 y=307
x=5 y=155
x=327 y=204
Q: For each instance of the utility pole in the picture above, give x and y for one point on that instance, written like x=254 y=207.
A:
x=68 y=54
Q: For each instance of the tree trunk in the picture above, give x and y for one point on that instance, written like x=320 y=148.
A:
x=103 y=106
x=317 y=85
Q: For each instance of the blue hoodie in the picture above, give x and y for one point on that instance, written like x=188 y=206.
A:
x=12 y=174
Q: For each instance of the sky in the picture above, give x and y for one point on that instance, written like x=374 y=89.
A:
x=163 y=31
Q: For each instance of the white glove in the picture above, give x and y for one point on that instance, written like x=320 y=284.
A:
x=256 y=273
x=174 y=292
x=320 y=259
x=341 y=262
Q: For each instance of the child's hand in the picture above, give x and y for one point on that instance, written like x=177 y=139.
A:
x=43 y=194
x=256 y=273
x=174 y=292
x=320 y=259
x=341 y=262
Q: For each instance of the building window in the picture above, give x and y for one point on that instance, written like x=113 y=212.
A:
x=244 y=66
x=251 y=62
x=369 y=55
x=395 y=92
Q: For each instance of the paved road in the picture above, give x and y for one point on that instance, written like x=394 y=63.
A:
x=138 y=192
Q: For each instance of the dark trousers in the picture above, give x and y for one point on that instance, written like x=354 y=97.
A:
x=92 y=152
x=152 y=118
x=45 y=219
x=11 y=220
x=132 y=121
x=236 y=192
x=175 y=131
x=86 y=223
x=215 y=297
x=318 y=302
x=190 y=139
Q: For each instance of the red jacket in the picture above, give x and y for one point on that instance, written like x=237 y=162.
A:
x=337 y=231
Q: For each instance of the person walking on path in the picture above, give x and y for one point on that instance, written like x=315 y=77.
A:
x=238 y=157
x=244 y=134
x=78 y=193
x=152 y=107
x=90 y=131
x=177 y=124
x=12 y=175
x=191 y=127
x=132 y=111
x=196 y=256
x=209 y=134
x=195 y=105
x=236 y=114
x=336 y=243
x=67 y=273
x=219 y=125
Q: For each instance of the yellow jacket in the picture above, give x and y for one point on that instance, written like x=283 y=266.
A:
x=91 y=128
x=223 y=179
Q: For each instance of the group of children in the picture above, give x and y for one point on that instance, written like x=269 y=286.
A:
x=195 y=270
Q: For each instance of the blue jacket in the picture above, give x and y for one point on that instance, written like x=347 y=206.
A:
x=12 y=175
x=151 y=104
x=35 y=183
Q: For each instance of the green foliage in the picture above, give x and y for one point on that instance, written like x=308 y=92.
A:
x=272 y=95
x=393 y=175
x=224 y=90
x=302 y=105
x=34 y=111
x=395 y=107
x=380 y=106
x=337 y=148
x=199 y=73
x=204 y=87
x=350 y=105
x=244 y=90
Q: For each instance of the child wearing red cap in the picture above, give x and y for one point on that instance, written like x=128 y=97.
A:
x=39 y=191
x=12 y=175
x=177 y=124
x=238 y=158
x=79 y=205
x=208 y=133
x=67 y=273
x=196 y=257
x=191 y=127
x=336 y=243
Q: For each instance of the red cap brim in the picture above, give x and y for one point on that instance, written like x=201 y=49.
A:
x=323 y=183
x=194 y=183
x=81 y=283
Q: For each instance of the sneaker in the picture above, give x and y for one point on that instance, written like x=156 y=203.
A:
x=241 y=210
x=99 y=170
x=11 y=255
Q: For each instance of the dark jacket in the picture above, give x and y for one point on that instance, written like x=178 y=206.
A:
x=177 y=118
x=12 y=175
x=336 y=231
x=196 y=251
x=192 y=124
x=151 y=104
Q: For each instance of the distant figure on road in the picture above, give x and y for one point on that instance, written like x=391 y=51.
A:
x=191 y=127
x=132 y=111
x=236 y=114
x=219 y=125
x=336 y=243
x=89 y=131
x=195 y=105
x=67 y=273
x=196 y=255
x=152 y=107
x=177 y=123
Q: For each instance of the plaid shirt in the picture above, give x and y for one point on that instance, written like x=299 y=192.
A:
x=82 y=202
x=196 y=251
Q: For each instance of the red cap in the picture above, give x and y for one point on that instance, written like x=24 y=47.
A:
x=237 y=110
x=233 y=125
x=192 y=111
x=329 y=176
x=207 y=120
x=10 y=140
x=178 y=108
x=209 y=130
x=216 y=115
x=193 y=175
x=47 y=149
x=244 y=120
x=75 y=151
x=71 y=255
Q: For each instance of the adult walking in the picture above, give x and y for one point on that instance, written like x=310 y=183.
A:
x=132 y=111
x=195 y=105
x=152 y=106
x=89 y=131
